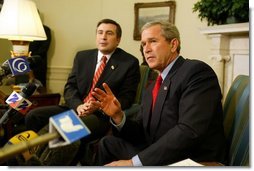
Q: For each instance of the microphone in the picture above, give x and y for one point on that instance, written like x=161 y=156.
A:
x=4 y=106
x=26 y=143
x=19 y=65
x=18 y=102
x=64 y=129
x=34 y=61
x=15 y=66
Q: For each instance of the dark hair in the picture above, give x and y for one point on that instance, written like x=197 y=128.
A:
x=109 y=21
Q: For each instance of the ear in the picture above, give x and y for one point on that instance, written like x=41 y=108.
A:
x=174 y=44
x=118 y=40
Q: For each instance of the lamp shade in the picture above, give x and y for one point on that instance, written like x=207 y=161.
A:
x=19 y=20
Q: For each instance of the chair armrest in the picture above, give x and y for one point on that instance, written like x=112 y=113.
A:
x=131 y=112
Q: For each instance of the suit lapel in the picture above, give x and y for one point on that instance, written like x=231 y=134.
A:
x=110 y=67
x=88 y=72
x=147 y=101
x=162 y=95
x=157 y=111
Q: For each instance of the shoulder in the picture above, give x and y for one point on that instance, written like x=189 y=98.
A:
x=87 y=53
x=193 y=69
x=188 y=68
x=194 y=73
x=195 y=65
x=46 y=28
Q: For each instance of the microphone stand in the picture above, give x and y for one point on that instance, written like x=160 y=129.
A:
x=12 y=150
x=4 y=117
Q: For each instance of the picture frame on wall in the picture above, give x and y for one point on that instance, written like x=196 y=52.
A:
x=146 y=12
x=1 y=4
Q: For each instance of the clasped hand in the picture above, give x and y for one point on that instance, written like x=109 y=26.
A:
x=88 y=107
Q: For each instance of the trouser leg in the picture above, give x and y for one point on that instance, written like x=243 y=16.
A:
x=37 y=118
x=99 y=126
x=112 y=148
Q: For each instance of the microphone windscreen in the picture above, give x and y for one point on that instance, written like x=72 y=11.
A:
x=23 y=136
x=28 y=90
x=34 y=61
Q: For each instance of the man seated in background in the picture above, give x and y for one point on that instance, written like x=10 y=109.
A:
x=38 y=54
x=40 y=49
x=121 y=73
x=181 y=114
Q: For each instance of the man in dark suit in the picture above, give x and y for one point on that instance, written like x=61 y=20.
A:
x=40 y=49
x=186 y=120
x=121 y=73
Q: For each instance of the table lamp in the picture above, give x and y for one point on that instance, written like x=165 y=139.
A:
x=20 y=23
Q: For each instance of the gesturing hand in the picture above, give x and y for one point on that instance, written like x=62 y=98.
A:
x=108 y=103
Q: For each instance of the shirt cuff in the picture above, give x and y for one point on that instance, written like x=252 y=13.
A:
x=119 y=126
x=136 y=161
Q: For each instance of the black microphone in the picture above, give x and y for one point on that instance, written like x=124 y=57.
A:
x=18 y=101
x=4 y=106
x=34 y=61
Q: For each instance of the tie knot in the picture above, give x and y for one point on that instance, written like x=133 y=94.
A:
x=159 y=79
x=104 y=59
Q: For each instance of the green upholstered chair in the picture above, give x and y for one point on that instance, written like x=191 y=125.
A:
x=133 y=110
x=236 y=121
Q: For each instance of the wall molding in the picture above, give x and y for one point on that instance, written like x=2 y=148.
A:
x=229 y=43
x=56 y=78
x=58 y=73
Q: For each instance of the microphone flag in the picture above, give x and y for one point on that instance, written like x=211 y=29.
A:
x=69 y=126
x=19 y=65
x=17 y=102
x=24 y=137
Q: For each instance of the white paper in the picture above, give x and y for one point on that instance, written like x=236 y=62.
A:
x=186 y=162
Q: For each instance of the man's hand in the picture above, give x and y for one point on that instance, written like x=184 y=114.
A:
x=120 y=163
x=88 y=108
x=108 y=103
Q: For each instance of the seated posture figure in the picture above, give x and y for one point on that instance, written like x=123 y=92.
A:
x=40 y=49
x=121 y=72
x=184 y=120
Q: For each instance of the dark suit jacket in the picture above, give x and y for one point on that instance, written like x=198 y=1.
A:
x=187 y=118
x=121 y=73
x=40 y=48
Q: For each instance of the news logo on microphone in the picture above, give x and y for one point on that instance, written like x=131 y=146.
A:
x=19 y=65
x=17 y=102
x=69 y=126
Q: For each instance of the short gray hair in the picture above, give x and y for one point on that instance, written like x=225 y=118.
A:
x=168 y=30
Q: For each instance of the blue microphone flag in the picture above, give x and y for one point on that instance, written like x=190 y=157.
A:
x=70 y=127
x=19 y=65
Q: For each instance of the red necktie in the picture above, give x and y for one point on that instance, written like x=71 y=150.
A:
x=97 y=76
x=156 y=88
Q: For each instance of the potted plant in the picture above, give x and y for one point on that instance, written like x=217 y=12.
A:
x=222 y=11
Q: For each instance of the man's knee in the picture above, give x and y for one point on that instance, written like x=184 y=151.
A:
x=108 y=142
x=30 y=121
x=39 y=117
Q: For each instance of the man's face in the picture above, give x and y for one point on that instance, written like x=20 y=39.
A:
x=157 y=51
x=106 y=38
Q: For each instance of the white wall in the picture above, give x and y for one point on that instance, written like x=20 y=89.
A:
x=73 y=25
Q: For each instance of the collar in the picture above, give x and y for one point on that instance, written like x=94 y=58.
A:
x=100 y=55
x=167 y=69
